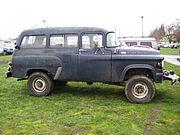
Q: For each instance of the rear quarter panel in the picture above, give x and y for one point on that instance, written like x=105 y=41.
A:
x=24 y=60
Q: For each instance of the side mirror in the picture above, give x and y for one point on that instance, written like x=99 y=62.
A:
x=17 y=47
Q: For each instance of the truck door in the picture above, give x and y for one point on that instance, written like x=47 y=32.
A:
x=65 y=47
x=94 y=60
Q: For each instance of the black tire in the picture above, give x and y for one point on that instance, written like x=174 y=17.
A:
x=40 y=84
x=139 y=89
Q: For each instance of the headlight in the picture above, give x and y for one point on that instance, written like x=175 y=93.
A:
x=160 y=65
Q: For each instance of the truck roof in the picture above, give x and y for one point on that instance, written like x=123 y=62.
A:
x=57 y=30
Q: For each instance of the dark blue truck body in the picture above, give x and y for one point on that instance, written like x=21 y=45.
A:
x=109 y=66
x=86 y=54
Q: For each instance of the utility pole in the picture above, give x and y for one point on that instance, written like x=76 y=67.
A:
x=115 y=32
x=142 y=17
x=119 y=31
x=44 y=23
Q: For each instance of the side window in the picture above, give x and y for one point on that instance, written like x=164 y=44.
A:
x=57 y=41
x=72 y=40
x=146 y=43
x=90 y=41
x=85 y=42
x=33 y=42
x=131 y=43
x=63 y=41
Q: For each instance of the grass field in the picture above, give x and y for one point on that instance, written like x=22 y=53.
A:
x=169 y=51
x=5 y=58
x=86 y=109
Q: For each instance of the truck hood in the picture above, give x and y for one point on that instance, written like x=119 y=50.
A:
x=136 y=51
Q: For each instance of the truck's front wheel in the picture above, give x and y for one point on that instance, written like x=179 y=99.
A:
x=139 y=89
x=40 y=84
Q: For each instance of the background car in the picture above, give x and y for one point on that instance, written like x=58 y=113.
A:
x=8 y=48
x=141 y=42
x=1 y=50
x=177 y=45
x=166 y=46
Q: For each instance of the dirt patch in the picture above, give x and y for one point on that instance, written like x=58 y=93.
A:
x=150 y=128
x=3 y=62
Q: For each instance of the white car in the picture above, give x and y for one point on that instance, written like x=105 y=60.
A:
x=7 y=48
x=168 y=45
x=1 y=49
x=140 y=42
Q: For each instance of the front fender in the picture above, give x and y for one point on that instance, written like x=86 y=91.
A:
x=137 y=66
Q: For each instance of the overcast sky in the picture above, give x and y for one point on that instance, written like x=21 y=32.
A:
x=17 y=15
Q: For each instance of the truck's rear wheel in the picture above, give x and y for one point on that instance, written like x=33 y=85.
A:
x=139 y=89
x=40 y=84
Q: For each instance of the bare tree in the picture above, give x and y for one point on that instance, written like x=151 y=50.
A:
x=177 y=34
x=169 y=32
x=158 y=33
x=162 y=31
x=155 y=34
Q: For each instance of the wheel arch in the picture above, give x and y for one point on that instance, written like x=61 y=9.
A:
x=138 y=69
x=30 y=71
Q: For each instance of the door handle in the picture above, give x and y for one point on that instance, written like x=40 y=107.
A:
x=82 y=50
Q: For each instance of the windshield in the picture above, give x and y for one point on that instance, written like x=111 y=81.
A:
x=111 y=40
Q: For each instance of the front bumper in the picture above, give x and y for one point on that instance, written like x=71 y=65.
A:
x=170 y=75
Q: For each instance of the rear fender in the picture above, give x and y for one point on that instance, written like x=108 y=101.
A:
x=22 y=65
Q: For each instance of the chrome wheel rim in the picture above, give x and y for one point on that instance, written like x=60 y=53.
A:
x=39 y=85
x=140 y=90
